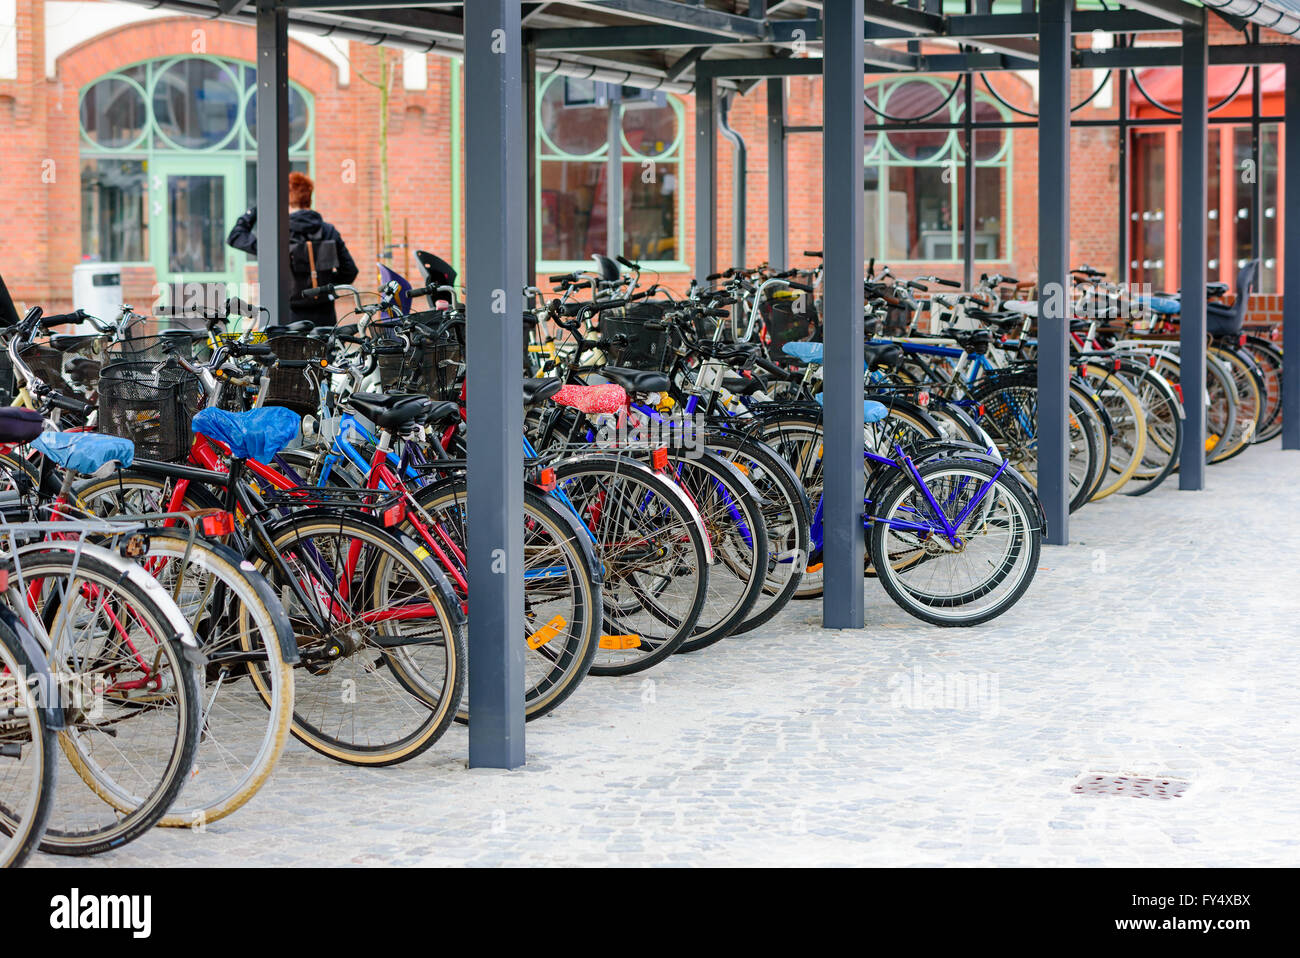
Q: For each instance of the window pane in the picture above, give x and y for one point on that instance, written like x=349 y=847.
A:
x=917 y=100
x=297 y=116
x=990 y=205
x=574 y=116
x=250 y=177
x=196 y=224
x=926 y=228
x=195 y=103
x=113 y=112
x=1269 y=275
x=1147 y=216
x=113 y=210
x=650 y=129
x=1243 y=232
x=650 y=210
x=572 y=209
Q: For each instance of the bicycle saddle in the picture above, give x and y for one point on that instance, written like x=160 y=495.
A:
x=540 y=390
x=85 y=452
x=804 y=352
x=20 y=425
x=604 y=398
x=882 y=354
x=70 y=342
x=872 y=411
x=402 y=411
x=1166 y=305
x=971 y=340
x=439 y=412
x=256 y=434
x=741 y=385
x=636 y=380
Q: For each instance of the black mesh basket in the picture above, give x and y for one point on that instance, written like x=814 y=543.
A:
x=787 y=324
x=143 y=349
x=434 y=363
x=47 y=363
x=637 y=337
x=151 y=404
x=292 y=387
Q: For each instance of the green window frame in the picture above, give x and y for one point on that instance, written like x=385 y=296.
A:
x=885 y=153
x=672 y=156
x=126 y=160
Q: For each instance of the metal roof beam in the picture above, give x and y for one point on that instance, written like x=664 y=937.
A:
x=916 y=22
x=1175 y=11
x=622 y=38
x=673 y=14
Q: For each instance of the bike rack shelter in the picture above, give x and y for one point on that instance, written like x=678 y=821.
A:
x=709 y=47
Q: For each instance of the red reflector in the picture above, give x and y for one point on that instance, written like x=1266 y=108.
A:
x=218 y=524
x=4 y=580
x=659 y=459
x=1178 y=388
x=1117 y=364
x=1151 y=360
x=1241 y=340
x=395 y=513
x=546 y=479
x=923 y=398
x=981 y=408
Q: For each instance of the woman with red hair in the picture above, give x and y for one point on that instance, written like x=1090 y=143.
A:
x=317 y=254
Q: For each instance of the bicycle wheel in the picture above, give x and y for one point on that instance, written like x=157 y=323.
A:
x=989 y=568
x=562 y=618
x=652 y=544
x=1163 y=413
x=380 y=683
x=132 y=722
x=240 y=625
x=1120 y=400
x=1221 y=410
x=1086 y=406
x=786 y=517
x=1269 y=360
x=1249 y=386
x=729 y=505
x=28 y=758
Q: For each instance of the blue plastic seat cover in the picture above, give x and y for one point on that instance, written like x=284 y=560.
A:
x=805 y=352
x=872 y=411
x=85 y=452
x=1162 y=304
x=257 y=434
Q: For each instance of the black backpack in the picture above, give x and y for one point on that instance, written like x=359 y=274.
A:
x=312 y=255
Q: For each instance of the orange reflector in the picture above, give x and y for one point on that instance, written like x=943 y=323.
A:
x=547 y=632
x=218 y=524
x=620 y=641
x=546 y=479
x=742 y=467
x=659 y=459
x=395 y=513
x=815 y=567
x=1211 y=441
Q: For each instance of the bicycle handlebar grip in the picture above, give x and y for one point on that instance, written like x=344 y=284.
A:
x=249 y=349
x=1011 y=279
x=69 y=403
x=604 y=305
x=236 y=305
x=318 y=291
x=952 y=283
x=800 y=286
x=61 y=319
x=628 y=263
x=560 y=278
x=915 y=284
x=422 y=291
x=812 y=252
x=713 y=277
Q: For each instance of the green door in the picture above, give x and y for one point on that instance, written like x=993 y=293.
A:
x=193 y=203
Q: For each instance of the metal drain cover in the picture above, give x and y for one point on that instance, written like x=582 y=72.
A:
x=1134 y=786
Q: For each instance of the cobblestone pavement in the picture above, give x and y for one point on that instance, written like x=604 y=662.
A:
x=1162 y=643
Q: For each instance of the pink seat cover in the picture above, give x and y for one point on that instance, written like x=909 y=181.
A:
x=607 y=397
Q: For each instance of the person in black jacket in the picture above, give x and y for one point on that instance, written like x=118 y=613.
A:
x=317 y=253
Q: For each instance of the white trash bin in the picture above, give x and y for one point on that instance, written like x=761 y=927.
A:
x=97 y=288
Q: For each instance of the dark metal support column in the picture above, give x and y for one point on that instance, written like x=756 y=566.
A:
x=494 y=267
x=843 y=198
x=706 y=178
x=1290 y=203
x=1191 y=251
x=273 y=159
x=1120 y=79
x=1053 y=265
x=1257 y=187
x=530 y=160
x=778 y=217
x=614 y=174
x=968 y=185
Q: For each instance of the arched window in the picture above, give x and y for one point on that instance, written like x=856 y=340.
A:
x=914 y=178
x=574 y=123
x=168 y=151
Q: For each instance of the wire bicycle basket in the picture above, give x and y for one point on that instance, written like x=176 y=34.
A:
x=151 y=404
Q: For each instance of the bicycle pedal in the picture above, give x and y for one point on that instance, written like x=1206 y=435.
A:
x=547 y=632
x=620 y=641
